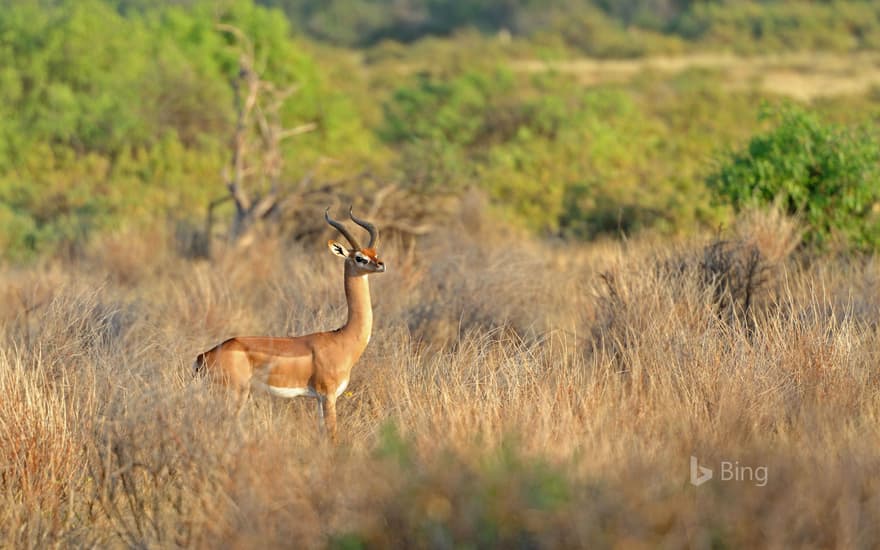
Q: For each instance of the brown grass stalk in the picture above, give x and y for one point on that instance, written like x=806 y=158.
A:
x=519 y=394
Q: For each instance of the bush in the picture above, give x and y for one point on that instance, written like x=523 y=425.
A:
x=761 y=27
x=825 y=173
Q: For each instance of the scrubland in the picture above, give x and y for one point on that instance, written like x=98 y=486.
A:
x=516 y=393
x=548 y=367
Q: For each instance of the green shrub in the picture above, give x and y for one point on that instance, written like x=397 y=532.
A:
x=759 y=27
x=557 y=158
x=825 y=173
x=503 y=499
x=119 y=113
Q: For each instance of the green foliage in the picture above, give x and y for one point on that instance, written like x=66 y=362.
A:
x=119 y=112
x=500 y=499
x=759 y=27
x=66 y=74
x=558 y=158
x=613 y=28
x=825 y=173
x=482 y=129
x=121 y=115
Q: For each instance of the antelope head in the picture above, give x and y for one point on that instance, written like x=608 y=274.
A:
x=362 y=260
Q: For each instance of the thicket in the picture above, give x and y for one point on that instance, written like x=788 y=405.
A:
x=599 y=27
x=118 y=114
x=109 y=119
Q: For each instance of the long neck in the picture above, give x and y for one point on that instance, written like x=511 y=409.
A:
x=360 y=310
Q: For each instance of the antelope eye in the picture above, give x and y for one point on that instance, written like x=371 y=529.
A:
x=360 y=259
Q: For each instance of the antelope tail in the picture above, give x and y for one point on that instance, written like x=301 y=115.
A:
x=198 y=367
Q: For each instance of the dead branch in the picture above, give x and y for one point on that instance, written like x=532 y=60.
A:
x=256 y=165
x=256 y=159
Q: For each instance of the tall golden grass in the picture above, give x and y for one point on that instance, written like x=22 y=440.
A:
x=515 y=393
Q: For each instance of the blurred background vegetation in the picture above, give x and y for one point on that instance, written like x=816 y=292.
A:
x=573 y=118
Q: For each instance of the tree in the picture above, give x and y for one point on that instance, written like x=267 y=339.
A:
x=256 y=160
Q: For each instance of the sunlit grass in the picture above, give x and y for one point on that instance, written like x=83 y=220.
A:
x=514 y=393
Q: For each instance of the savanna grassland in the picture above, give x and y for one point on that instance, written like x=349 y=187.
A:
x=619 y=236
x=514 y=393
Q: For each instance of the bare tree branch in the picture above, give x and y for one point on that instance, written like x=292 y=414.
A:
x=253 y=175
x=256 y=159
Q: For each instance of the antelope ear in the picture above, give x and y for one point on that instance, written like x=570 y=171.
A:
x=338 y=249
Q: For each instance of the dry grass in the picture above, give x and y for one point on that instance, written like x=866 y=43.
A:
x=514 y=394
x=803 y=75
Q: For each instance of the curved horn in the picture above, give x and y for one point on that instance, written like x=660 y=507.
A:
x=341 y=228
x=374 y=233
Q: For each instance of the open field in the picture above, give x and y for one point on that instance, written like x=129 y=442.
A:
x=514 y=393
x=803 y=76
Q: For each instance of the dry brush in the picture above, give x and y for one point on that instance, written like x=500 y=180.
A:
x=514 y=393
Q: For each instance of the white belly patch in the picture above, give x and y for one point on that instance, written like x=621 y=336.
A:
x=281 y=391
x=341 y=388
